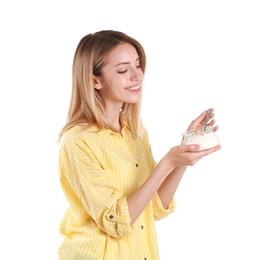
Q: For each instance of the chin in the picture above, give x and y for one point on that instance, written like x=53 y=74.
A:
x=133 y=101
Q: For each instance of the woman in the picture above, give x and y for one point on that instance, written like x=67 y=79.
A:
x=114 y=187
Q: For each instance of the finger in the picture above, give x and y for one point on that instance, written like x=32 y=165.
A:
x=216 y=128
x=199 y=118
x=211 y=122
x=191 y=147
x=211 y=150
x=212 y=110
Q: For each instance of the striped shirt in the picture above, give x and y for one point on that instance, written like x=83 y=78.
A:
x=98 y=171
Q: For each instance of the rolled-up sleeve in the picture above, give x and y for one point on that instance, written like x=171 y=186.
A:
x=159 y=211
x=90 y=188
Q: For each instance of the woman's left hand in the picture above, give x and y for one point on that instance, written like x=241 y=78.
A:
x=200 y=121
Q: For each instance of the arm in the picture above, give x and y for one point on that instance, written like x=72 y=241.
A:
x=90 y=189
x=165 y=178
x=170 y=185
x=168 y=173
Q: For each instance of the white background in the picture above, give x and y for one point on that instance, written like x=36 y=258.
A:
x=200 y=54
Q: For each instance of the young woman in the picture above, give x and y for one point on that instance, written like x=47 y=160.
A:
x=114 y=187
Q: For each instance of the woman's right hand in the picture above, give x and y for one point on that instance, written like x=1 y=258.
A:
x=200 y=121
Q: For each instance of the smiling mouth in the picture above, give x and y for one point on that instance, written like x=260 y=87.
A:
x=134 y=88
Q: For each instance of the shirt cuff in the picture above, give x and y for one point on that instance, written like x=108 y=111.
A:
x=119 y=220
x=159 y=211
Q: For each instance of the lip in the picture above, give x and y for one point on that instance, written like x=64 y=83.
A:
x=134 y=89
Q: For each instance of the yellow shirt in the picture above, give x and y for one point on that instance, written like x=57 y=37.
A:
x=98 y=171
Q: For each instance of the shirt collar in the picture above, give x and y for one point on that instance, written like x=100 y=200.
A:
x=124 y=126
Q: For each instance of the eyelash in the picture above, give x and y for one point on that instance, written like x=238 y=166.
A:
x=124 y=71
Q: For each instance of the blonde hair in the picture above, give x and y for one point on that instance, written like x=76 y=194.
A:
x=86 y=105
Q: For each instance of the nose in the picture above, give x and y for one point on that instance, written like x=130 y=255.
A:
x=137 y=74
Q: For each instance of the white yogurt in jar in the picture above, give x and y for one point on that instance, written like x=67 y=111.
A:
x=206 y=139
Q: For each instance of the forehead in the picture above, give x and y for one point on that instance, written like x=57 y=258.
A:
x=122 y=53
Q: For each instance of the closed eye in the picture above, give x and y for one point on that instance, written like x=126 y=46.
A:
x=122 y=72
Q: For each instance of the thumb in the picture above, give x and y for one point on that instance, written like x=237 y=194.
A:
x=191 y=147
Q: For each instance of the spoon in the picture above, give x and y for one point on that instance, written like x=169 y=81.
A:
x=207 y=118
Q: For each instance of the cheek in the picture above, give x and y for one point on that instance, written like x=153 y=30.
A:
x=109 y=89
x=113 y=83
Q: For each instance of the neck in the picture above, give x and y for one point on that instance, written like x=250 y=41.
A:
x=114 y=119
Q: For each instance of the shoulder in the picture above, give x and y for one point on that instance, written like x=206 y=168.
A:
x=145 y=135
x=73 y=134
x=79 y=135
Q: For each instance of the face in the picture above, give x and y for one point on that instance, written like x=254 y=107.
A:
x=121 y=77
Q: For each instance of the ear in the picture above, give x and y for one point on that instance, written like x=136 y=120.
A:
x=97 y=83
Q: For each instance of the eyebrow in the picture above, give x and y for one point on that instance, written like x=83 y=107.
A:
x=124 y=63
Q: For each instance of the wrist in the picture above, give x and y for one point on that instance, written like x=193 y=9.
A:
x=166 y=166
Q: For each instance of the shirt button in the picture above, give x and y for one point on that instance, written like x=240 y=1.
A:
x=136 y=165
x=111 y=216
x=142 y=227
x=145 y=258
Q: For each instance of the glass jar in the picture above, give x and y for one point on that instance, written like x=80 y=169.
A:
x=206 y=139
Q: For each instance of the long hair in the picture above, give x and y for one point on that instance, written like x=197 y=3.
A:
x=86 y=104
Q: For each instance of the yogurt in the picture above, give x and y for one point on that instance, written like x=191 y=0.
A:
x=206 y=139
